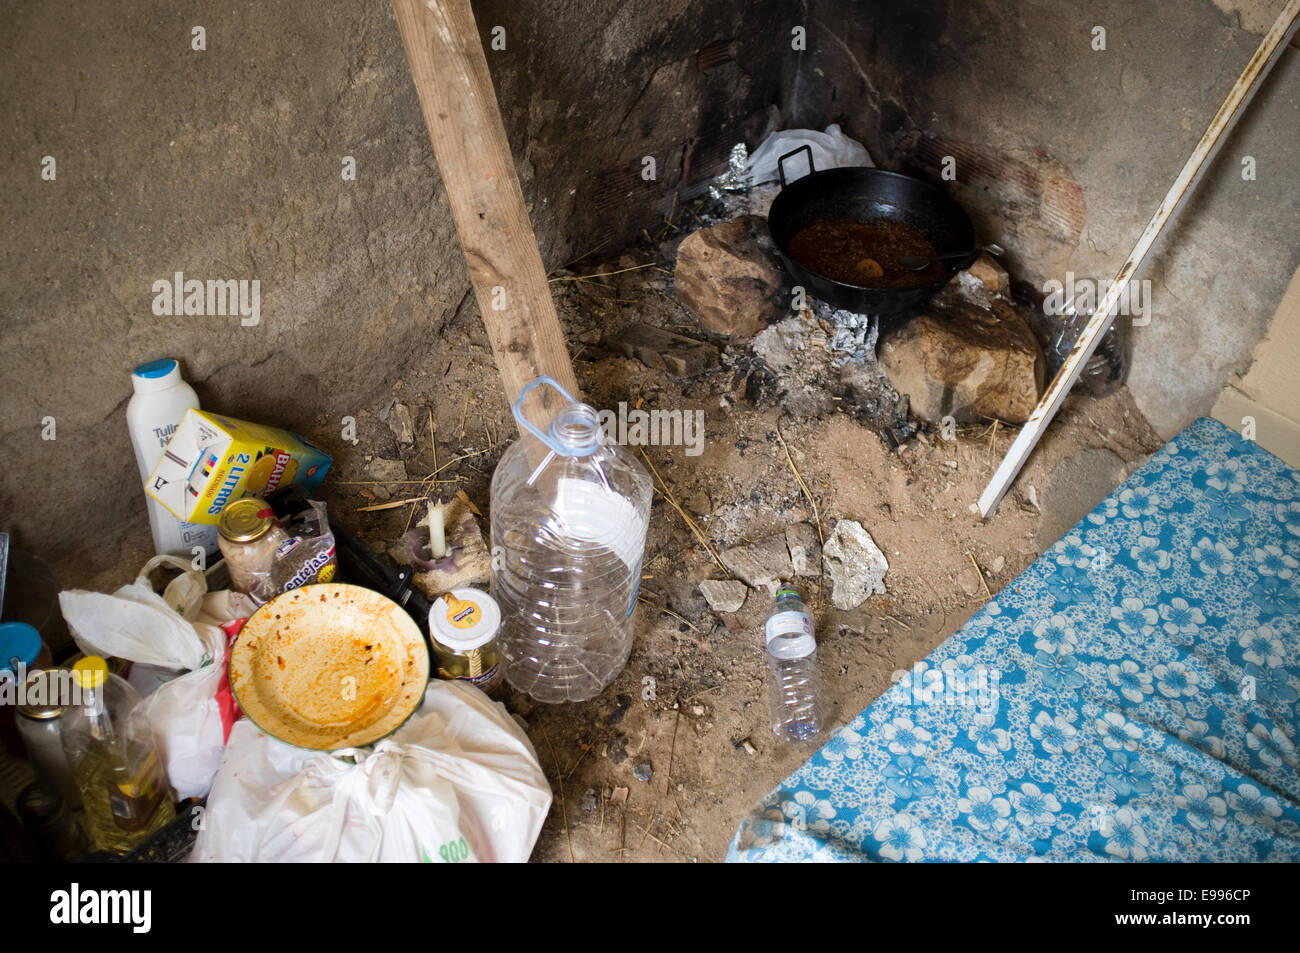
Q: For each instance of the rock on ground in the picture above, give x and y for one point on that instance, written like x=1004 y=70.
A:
x=728 y=275
x=991 y=276
x=805 y=549
x=388 y=474
x=855 y=564
x=390 y=471
x=762 y=565
x=971 y=362
x=400 y=421
x=724 y=595
x=663 y=350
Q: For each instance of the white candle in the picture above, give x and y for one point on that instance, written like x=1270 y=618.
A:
x=437 y=531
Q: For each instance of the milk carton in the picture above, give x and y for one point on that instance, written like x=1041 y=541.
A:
x=212 y=459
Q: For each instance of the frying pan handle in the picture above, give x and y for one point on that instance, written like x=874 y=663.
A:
x=780 y=163
x=995 y=250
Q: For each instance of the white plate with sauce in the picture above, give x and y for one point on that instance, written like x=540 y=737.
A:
x=329 y=666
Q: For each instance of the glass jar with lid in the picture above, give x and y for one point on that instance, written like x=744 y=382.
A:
x=40 y=719
x=22 y=649
x=249 y=539
x=463 y=627
x=54 y=829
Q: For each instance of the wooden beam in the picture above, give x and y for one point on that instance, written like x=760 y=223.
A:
x=469 y=141
x=1242 y=90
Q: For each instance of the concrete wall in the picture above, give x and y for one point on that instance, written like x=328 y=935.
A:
x=1063 y=152
x=227 y=164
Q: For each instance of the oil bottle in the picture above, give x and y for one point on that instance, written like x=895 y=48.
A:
x=115 y=760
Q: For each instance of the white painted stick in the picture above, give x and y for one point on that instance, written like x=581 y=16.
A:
x=1242 y=90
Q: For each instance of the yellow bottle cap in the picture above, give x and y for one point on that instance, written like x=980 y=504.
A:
x=90 y=672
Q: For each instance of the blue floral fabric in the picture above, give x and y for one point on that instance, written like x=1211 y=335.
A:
x=1131 y=696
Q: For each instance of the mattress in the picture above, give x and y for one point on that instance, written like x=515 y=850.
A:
x=1131 y=696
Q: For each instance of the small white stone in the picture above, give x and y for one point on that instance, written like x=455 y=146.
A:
x=855 y=564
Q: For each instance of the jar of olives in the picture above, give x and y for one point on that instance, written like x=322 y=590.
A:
x=463 y=626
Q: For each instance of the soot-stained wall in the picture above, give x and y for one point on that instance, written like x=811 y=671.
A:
x=1066 y=124
x=228 y=163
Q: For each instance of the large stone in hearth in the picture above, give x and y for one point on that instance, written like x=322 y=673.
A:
x=728 y=276
x=971 y=362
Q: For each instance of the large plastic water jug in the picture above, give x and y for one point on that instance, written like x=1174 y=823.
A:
x=569 y=517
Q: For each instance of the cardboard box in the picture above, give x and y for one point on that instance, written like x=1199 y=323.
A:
x=212 y=459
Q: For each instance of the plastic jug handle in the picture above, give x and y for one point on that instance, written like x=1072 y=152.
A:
x=517 y=409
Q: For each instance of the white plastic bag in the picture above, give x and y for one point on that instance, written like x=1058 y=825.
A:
x=187 y=721
x=133 y=623
x=830 y=149
x=458 y=782
x=137 y=624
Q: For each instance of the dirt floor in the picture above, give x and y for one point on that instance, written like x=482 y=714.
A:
x=690 y=709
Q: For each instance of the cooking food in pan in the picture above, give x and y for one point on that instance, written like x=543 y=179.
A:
x=842 y=234
x=866 y=253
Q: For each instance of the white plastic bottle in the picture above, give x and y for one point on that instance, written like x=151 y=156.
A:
x=160 y=400
x=795 y=691
x=569 y=518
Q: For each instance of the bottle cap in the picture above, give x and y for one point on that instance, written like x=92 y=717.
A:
x=245 y=520
x=156 y=376
x=20 y=641
x=464 y=619
x=90 y=672
x=42 y=691
x=788 y=591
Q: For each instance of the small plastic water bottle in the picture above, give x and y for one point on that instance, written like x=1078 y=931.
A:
x=792 y=661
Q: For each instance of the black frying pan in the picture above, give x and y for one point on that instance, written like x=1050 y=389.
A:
x=868 y=195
